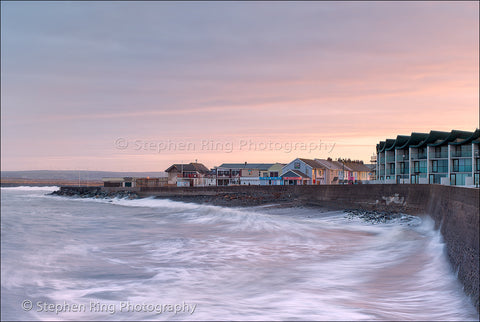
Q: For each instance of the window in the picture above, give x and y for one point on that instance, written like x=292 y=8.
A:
x=403 y=169
x=455 y=165
x=392 y=168
x=434 y=166
x=442 y=166
x=416 y=166
x=462 y=165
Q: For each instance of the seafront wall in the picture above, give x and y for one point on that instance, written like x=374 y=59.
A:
x=455 y=210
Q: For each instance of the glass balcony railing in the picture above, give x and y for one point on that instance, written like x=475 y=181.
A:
x=439 y=155
x=461 y=154
x=419 y=156
x=462 y=168
x=437 y=178
x=419 y=171
x=439 y=170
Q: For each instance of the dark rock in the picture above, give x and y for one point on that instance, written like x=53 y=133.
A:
x=93 y=192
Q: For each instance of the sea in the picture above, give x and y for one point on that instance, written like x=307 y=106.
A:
x=68 y=258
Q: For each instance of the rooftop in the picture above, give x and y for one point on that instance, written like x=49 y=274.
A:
x=246 y=165
x=188 y=167
x=294 y=174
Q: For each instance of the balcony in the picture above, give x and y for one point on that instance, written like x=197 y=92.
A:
x=461 y=154
x=437 y=178
x=439 y=155
x=420 y=156
x=462 y=168
x=419 y=169
x=402 y=157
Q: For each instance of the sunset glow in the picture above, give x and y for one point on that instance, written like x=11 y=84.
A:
x=229 y=81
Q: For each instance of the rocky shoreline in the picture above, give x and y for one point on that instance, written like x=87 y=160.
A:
x=380 y=217
x=237 y=199
x=93 y=192
x=247 y=200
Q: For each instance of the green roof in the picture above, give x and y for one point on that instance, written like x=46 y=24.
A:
x=415 y=138
x=388 y=144
x=401 y=139
x=380 y=145
x=473 y=138
x=433 y=137
x=454 y=135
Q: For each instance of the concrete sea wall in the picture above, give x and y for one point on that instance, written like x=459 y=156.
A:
x=455 y=211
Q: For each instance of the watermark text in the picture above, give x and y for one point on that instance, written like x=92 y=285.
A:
x=109 y=307
x=225 y=146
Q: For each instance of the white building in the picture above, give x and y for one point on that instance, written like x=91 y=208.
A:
x=245 y=174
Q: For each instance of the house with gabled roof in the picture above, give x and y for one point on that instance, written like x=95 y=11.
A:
x=333 y=170
x=311 y=168
x=187 y=174
x=358 y=172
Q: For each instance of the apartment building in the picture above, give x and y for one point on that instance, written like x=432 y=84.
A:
x=437 y=157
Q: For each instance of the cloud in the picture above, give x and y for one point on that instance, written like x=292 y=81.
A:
x=78 y=71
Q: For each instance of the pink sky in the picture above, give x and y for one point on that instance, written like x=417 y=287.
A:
x=263 y=82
